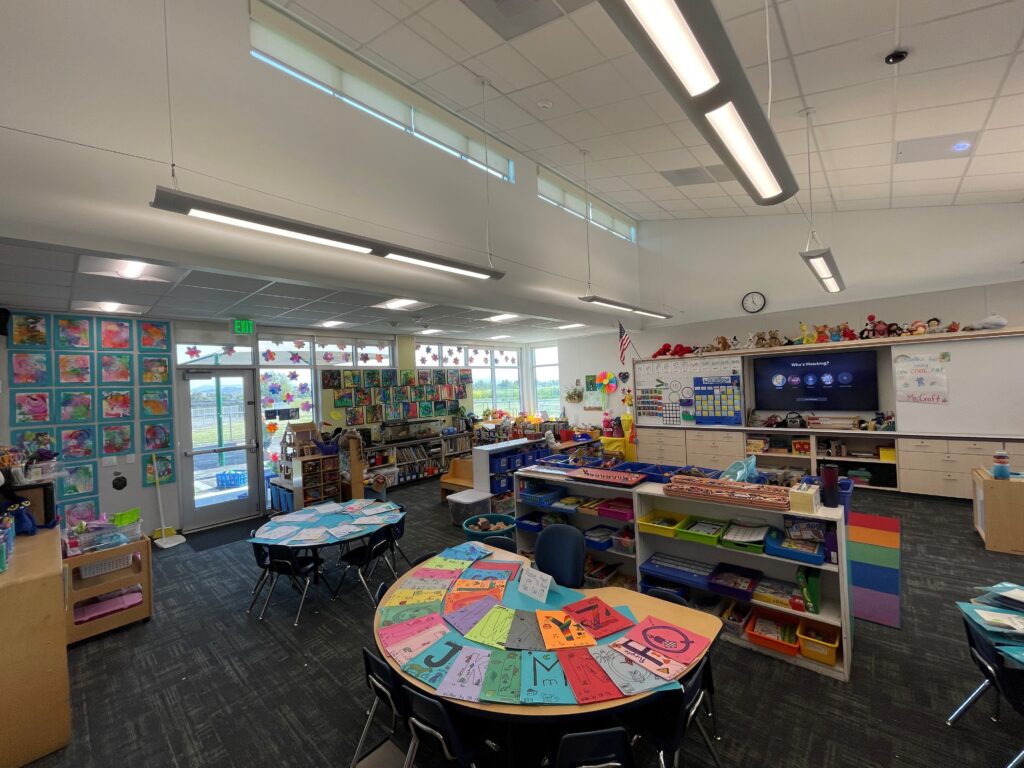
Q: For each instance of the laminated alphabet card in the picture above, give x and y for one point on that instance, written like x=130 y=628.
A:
x=542 y=680
x=465 y=678
x=560 y=630
x=431 y=665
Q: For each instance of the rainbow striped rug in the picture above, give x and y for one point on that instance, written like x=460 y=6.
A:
x=874 y=554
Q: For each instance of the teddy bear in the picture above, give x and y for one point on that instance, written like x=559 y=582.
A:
x=821 y=334
x=760 y=340
x=721 y=344
x=662 y=350
x=774 y=340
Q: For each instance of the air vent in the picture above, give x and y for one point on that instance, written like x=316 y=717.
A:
x=512 y=18
x=935 y=147
x=686 y=177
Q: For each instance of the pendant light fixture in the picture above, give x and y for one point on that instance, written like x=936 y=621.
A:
x=820 y=261
x=687 y=48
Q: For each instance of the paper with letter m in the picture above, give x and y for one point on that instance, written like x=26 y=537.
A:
x=560 y=630
x=432 y=664
x=465 y=677
x=682 y=645
x=502 y=680
x=589 y=682
x=648 y=658
x=597 y=617
x=543 y=681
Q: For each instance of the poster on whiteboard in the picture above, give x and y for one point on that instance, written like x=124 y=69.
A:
x=922 y=379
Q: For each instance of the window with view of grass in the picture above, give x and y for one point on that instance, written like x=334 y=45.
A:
x=547 y=394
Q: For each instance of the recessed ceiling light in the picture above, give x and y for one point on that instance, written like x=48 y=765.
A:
x=429 y=331
x=396 y=303
x=570 y=326
x=131 y=270
x=961 y=146
x=495 y=338
x=110 y=306
x=332 y=323
x=501 y=318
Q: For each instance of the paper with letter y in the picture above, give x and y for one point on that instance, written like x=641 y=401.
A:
x=560 y=630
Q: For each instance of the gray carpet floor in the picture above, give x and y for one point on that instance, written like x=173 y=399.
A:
x=203 y=684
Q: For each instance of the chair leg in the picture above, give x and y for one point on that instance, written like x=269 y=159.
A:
x=337 y=589
x=414 y=745
x=995 y=708
x=273 y=586
x=709 y=707
x=366 y=586
x=260 y=580
x=709 y=742
x=366 y=730
x=302 y=602
x=404 y=556
x=985 y=685
x=391 y=566
x=257 y=590
x=1018 y=761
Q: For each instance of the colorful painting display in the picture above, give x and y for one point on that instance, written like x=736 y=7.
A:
x=154 y=369
x=116 y=438
x=80 y=480
x=78 y=443
x=73 y=332
x=71 y=513
x=76 y=405
x=157 y=466
x=74 y=368
x=29 y=369
x=157 y=436
x=115 y=369
x=115 y=333
x=115 y=404
x=31 y=407
x=154 y=336
x=29 y=330
x=154 y=402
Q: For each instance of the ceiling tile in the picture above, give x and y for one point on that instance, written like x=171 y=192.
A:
x=729 y=9
x=704 y=155
x=596 y=86
x=851 y=103
x=1011 y=162
x=856 y=157
x=601 y=30
x=999 y=182
x=21 y=300
x=654 y=139
x=407 y=50
x=1015 y=78
x=558 y=48
x=534 y=136
x=661 y=194
x=859 y=61
x=560 y=102
x=636 y=72
x=981 y=34
x=16 y=273
x=687 y=133
x=457 y=84
x=681 y=204
x=16 y=255
x=861 y=192
x=627 y=165
x=868 y=204
x=578 y=126
x=670 y=160
x=937 y=121
x=998 y=140
x=605 y=147
x=917 y=11
x=306 y=292
x=666 y=108
x=461 y=25
x=437 y=38
x=854 y=133
x=1009 y=110
x=950 y=85
x=984 y=198
x=359 y=20
x=812 y=24
x=644 y=208
x=747 y=34
x=627 y=196
x=698 y=192
x=926 y=187
x=501 y=113
x=929 y=169
x=562 y=154
x=202 y=279
x=645 y=181
x=506 y=68
x=626 y=115
x=784 y=85
x=921 y=201
x=611 y=184
x=717 y=202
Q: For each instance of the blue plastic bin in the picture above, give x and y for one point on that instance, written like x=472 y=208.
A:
x=499 y=483
x=499 y=463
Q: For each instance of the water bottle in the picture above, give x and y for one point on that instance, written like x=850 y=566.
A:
x=830 y=485
x=1001 y=465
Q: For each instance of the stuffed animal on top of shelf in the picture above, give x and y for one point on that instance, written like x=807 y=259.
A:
x=774 y=340
x=918 y=328
x=894 y=330
x=879 y=329
x=821 y=334
x=721 y=344
x=834 y=334
x=846 y=332
x=662 y=350
x=760 y=340
x=734 y=343
x=680 y=350
x=990 y=322
x=952 y=327
x=751 y=341
x=934 y=325
x=806 y=337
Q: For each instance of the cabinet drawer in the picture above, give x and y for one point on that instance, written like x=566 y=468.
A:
x=976 y=447
x=922 y=445
x=953 y=484
x=666 y=436
x=941 y=462
x=712 y=460
x=705 y=436
x=675 y=456
x=1016 y=451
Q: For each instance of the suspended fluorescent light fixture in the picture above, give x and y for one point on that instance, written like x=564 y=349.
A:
x=687 y=48
x=245 y=218
x=570 y=326
x=823 y=264
x=612 y=304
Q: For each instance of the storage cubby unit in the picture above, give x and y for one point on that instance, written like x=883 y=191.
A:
x=406 y=461
x=316 y=479
x=122 y=576
x=453 y=446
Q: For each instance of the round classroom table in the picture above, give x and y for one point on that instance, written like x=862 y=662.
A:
x=641 y=605
x=329 y=520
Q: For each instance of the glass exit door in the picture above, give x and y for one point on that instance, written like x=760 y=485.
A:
x=220 y=454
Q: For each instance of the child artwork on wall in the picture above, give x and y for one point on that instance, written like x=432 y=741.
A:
x=116 y=438
x=423 y=376
x=460 y=392
x=439 y=376
x=157 y=436
x=410 y=410
x=31 y=407
x=115 y=369
x=80 y=481
x=154 y=369
x=451 y=376
x=354 y=417
x=164 y=465
x=388 y=377
x=73 y=332
x=155 y=402
x=78 y=443
x=425 y=408
x=29 y=369
x=393 y=412
x=76 y=405
x=115 y=334
x=371 y=379
x=115 y=403
x=74 y=368
x=374 y=414
x=72 y=513
x=406 y=377
x=344 y=398
x=330 y=379
x=30 y=441
x=29 y=330
x=154 y=335
x=352 y=378
x=363 y=397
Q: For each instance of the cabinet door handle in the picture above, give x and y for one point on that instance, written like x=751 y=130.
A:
x=947 y=457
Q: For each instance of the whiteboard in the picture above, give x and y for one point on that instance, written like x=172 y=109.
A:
x=663 y=388
x=971 y=387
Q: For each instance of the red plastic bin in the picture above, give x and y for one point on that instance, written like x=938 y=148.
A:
x=773 y=643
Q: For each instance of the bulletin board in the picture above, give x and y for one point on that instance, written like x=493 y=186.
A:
x=663 y=389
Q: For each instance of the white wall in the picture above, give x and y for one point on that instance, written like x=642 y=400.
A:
x=591 y=355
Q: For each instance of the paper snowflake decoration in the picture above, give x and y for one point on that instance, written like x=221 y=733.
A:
x=346 y=357
x=423 y=361
x=272 y=427
x=275 y=457
x=364 y=357
x=434 y=358
x=303 y=388
x=293 y=375
x=269 y=355
x=300 y=345
x=295 y=357
x=455 y=361
x=192 y=352
x=328 y=357
x=379 y=358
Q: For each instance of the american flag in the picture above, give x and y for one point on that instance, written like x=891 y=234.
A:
x=624 y=342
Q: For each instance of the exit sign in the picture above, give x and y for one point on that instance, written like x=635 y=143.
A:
x=245 y=327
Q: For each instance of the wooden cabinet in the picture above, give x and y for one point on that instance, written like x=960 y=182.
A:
x=922 y=445
x=999 y=512
x=942 y=467
x=953 y=484
x=662 y=446
x=714 y=449
x=36 y=693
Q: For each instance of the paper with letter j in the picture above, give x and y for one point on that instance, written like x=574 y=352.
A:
x=433 y=664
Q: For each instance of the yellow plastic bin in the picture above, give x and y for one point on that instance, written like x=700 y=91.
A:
x=818 y=642
x=661 y=522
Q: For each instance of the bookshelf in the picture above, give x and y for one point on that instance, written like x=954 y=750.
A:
x=318 y=477
x=406 y=461
x=453 y=446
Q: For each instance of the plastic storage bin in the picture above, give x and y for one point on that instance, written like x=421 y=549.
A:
x=624 y=541
x=756 y=547
x=734 y=616
x=515 y=461
x=661 y=523
x=660 y=473
x=600 y=576
x=734 y=581
x=818 y=642
x=617 y=509
x=599 y=537
x=763 y=626
x=508 y=532
x=701 y=531
x=499 y=483
x=678 y=570
x=499 y=463
x=544 y=497
x=469 y=503
x=777 y=544
x=530 y=523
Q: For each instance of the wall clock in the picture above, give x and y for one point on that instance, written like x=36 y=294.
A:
x=753 y=302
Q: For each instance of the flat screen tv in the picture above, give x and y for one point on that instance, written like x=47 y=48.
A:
x=828 y=381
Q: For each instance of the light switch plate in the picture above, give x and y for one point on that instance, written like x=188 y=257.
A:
x=129 y=459
x=109 y=461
